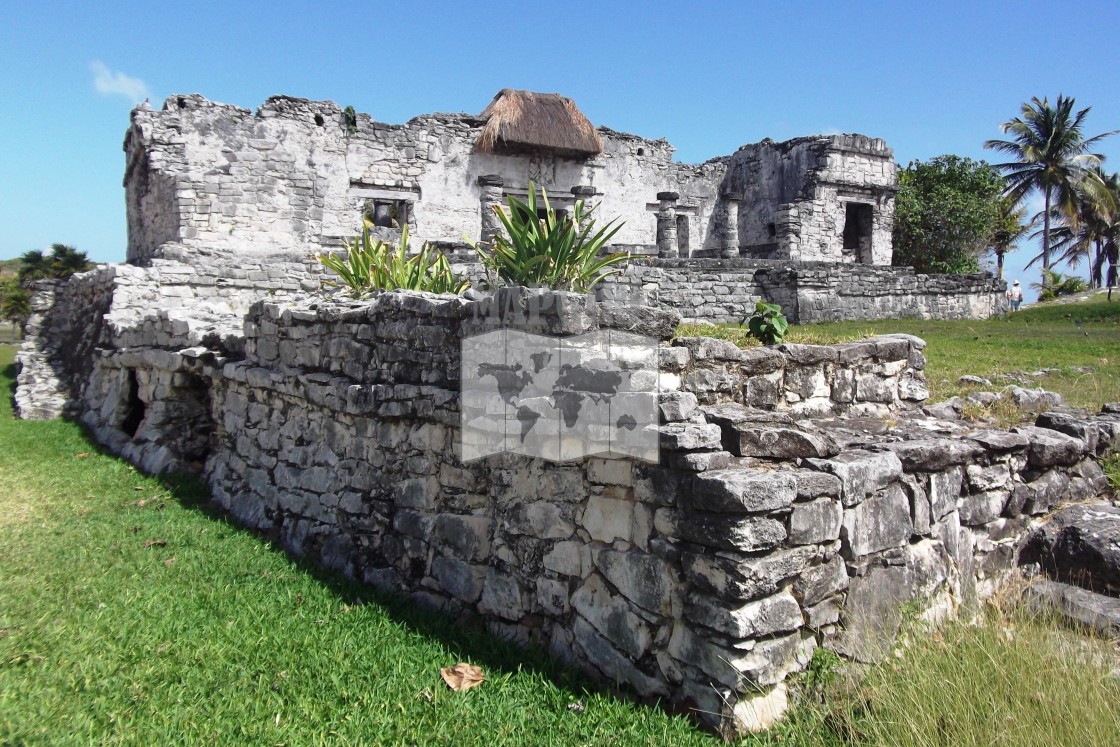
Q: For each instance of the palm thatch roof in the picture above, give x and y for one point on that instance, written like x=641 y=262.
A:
x=523 y=120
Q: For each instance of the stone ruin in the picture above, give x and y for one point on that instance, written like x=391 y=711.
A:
x=800 y=496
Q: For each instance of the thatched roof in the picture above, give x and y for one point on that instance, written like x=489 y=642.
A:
x=523 y=120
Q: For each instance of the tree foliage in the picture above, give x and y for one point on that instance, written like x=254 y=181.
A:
x=946 y=212
x=1012 y=227
x=1051 y=156
x=15 y=303
x=62 y=262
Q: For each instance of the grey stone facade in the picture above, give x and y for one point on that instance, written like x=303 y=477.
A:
x=294 y=176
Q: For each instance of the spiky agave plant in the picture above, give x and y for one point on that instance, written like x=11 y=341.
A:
x=372 y=265
x=554 y=251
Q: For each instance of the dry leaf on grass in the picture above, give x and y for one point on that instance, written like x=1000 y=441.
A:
x=462 y=676
x=82 y=454
x=155 y=543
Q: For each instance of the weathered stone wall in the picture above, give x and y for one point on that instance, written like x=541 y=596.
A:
x=295 y=175
x=784 y=513
x=722 y=291
x=795 y=197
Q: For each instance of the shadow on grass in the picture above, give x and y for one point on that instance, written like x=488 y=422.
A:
x=8 y=374
x=464 y=636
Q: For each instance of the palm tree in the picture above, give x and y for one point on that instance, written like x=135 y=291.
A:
x=1009 y=232
x=66 y=260
x=35 y=266
x=1052 y=156
x=62 y=262
x=1084 y=234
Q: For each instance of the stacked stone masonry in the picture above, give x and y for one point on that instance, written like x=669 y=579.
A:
x=298 y=174
x=802 y=494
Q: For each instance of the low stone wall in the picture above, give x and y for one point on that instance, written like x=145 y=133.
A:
x=168 y=304
x=784 y=512
x=725 y=290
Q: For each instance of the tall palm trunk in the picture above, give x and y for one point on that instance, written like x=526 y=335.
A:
x=1098 y=264
x=1046 y=238
x=999 y=265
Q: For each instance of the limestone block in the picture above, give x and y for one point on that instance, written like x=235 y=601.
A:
x=822 y=581
x=613 y=664
x=468 y=536
x=747 y=534
x=919 y=503
x=813 y=484
x=1050 y=448
x=610 y=471
x=540 y=519
x=420 y=493
x=699 y=461
x=774 y=614
x=501 y=596
x=815 y=522
x=982 y=507
x=944 y=489
x=645 y=580
x=766 y=662
x=740 y=491
x=607 y=519
x=934 y=454
x=743 y=578
x=1085 y=431
x=880 y=522
x=568 y=558
x=461 y=580
x=612 y=618
x=689 y=436
x=677 y=406
x=860 y=472
x=553 y=597
x=992 y=477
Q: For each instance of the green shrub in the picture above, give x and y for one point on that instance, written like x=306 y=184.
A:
x=1054 y=285
x=549 y=252
x=767 y=324
x=374 y=265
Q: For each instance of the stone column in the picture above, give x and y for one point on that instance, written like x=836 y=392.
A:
x=667 y=224
x=730 y=248
x=490 y=195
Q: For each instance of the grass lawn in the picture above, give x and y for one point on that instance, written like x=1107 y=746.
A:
x=131 y=615
x=1049 y=336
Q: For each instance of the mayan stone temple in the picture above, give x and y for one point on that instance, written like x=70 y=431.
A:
x=772 y=501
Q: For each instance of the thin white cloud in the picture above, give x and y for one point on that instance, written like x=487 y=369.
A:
x=116 y=83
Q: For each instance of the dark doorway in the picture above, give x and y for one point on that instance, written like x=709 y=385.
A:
x=857 y=232
x=682 y=235
x=134 y=407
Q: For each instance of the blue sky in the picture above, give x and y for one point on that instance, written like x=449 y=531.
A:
x=929 y=78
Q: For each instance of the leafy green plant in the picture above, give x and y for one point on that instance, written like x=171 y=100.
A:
x=1111 y=467
x=372 y=265
x=1054 y=284
x=62 y=262
x=350 y=120
x=555 y=251
x=767 y=324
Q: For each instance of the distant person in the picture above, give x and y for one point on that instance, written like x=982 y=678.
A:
x=1015 y=295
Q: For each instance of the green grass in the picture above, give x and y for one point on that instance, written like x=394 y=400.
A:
x=131 y=615
x=1049 y=336
x=1016 y=678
